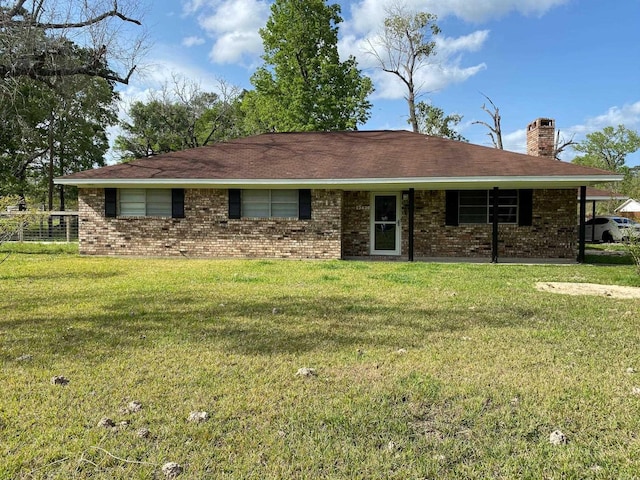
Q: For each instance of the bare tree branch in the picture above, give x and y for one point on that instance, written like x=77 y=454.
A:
x=43 y=73
x=19 y=6
x=561 y=145
x=44 y=40
x=495 y=130
x=85 y=23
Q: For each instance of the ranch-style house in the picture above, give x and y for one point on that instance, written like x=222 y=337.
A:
x=339 y=195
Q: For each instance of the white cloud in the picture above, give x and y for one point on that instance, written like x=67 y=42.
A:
x=367 y=15
x=430 y=79
x=235 y=15
x=233 y=24
x=192 y=6
x=233 y=46
x=515 y=141
x=627 y=115
x=192 y=41
x=447 y=46
x=482 y=10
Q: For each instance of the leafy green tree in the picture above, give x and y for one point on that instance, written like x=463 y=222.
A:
x=179 y=117
x=23 y=112
x=404 y=46
x=303 y=85
x=432 y=121
x=608 y=149
x=151 y=130
x=630 y=186
x=52 y=128
x=83 y=108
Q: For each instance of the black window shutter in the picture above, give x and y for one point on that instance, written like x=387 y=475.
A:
x=304 y=204
x=110 y=202
x=451 y=208
x=525 y=215
x=177 y=202
x=235 y=203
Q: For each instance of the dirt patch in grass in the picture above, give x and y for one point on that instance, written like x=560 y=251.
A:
x=567 y=288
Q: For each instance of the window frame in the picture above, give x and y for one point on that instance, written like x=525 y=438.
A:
x=269 y=203
x=487 y=207
x=166 y=206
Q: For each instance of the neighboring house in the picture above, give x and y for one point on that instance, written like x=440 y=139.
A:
x=337 y=195
x=630 y=209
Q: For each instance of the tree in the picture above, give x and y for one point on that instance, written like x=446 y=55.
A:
x=35 y=39
x=432 y=121
x=52 y=129
x=82 y=109
x=404 y=47
x=303 y=85
x=180 y=116
x=23 y=112
x=608 y=149
x=495 y=130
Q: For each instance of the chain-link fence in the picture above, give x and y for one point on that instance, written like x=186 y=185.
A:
x=45 y=227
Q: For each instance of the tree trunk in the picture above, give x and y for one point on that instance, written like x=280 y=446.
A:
x=61 y=187
x=51 y=163
x=411 y=100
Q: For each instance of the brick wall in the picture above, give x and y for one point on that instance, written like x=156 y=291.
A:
x=207 y=231
x=552 y=235
x=356 y=224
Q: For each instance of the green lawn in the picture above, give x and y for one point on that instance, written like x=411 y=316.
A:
x=491 y=367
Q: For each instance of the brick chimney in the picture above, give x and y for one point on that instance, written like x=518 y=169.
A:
x=541 y=137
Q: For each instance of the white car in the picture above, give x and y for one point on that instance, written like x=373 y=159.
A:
x=628 y=227
x=604 y=229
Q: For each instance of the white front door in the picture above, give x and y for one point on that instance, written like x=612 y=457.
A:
x=385 y=224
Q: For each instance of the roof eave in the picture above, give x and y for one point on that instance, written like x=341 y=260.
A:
x=428 y=183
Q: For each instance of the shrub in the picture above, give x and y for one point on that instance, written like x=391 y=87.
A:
x=633 y=246
x=13 y=222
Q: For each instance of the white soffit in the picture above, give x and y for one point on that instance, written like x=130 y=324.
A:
x=442 y=183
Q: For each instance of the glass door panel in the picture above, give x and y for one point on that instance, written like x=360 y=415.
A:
x=385 y=225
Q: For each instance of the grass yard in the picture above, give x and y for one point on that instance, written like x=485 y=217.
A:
x=489 y=368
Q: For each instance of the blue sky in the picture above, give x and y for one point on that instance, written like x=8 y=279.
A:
x=577 y=61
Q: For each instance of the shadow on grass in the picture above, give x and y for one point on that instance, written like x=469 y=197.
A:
x=248 y=327
x=613 y=259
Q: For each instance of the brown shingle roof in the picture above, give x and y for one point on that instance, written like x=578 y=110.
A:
x=322 y=156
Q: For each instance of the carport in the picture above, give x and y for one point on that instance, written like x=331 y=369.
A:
x=593 y=195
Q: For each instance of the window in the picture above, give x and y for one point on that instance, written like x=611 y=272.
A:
x=140 y=202
x=270 y=203
x=476 y=206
